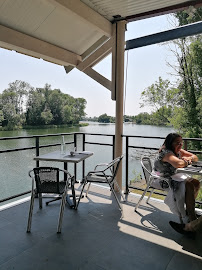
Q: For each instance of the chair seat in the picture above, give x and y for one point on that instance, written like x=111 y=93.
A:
x=98 y=179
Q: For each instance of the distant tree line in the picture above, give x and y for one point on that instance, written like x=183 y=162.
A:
x=142 y=118
x=23 y=105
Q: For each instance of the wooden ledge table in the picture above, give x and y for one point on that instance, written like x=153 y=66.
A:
x=66 y=158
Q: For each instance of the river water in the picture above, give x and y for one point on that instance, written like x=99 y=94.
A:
x=15 y=165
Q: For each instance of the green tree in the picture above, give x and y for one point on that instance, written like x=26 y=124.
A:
x=163 y=98
x=55 y=104
x=13 y=104
x=104 y=118
x=12 y=120
x=67 y=118
x=35 y=107
x=77 y=109
x=46 y=117
x=1 y=117
x=189 y=57
x=143 y=118
x=17 y=93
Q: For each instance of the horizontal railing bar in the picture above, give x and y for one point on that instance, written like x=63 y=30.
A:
x=32 y=147
x=99 y=134
x=107 y=144
x=143 y=147
x=35 y=136
x=143 y=137
x=158 y=137
x=17 y=149
x=15 y=196
x=150 y=148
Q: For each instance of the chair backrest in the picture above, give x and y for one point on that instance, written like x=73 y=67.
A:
x=114 y=165
x=47 y=180
x=146 y=167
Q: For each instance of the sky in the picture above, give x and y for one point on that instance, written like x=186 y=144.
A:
x=145 y=66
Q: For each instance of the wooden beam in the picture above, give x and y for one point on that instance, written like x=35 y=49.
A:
x=96 y=45
x=98 y=77
x=68 y=68
x=28 y=45
x=114 y=61
x=87 y=14
x=97 y=56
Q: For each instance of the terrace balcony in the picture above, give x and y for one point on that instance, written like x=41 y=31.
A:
x=97 y=235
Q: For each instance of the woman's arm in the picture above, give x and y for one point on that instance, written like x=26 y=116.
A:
x=175 y=161
x=188 y=156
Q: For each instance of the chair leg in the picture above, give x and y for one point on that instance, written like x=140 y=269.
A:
x=151 y=192
x=30 y=213
x=73 y=191
x=142 y=197
x=62 y=207
x=117 y=185
x=40 y=200
x=88 y=189
x=114 y=193
x=77 y=204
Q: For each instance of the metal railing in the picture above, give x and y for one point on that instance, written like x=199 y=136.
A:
x=37 y=148
x=128 y=146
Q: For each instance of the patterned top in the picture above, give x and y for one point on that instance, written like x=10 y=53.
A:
x=163 y=167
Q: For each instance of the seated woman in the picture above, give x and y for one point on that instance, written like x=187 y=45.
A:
x=170 y=157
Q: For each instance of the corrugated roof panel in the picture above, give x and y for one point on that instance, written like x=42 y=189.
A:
x=110 y=8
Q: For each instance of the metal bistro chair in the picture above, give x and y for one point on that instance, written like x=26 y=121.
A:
x=149 y=177
x=47 y=180
x=106 y=175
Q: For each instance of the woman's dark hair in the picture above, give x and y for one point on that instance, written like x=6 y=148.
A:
x=168 y=143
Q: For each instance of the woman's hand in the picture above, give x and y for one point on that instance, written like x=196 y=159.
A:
x=188 y=160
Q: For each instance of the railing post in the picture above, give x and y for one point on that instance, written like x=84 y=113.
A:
x=75 y=165
x=127 y=151
x=113 y=154
x=185 y=145
x=37 y=150
x=83 y=148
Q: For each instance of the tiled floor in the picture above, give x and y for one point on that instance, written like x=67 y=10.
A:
x=96 y=237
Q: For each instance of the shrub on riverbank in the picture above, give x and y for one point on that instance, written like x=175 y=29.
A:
x=55 y=126
x=45 y=126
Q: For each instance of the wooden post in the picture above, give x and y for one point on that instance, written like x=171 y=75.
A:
x=118 y=50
